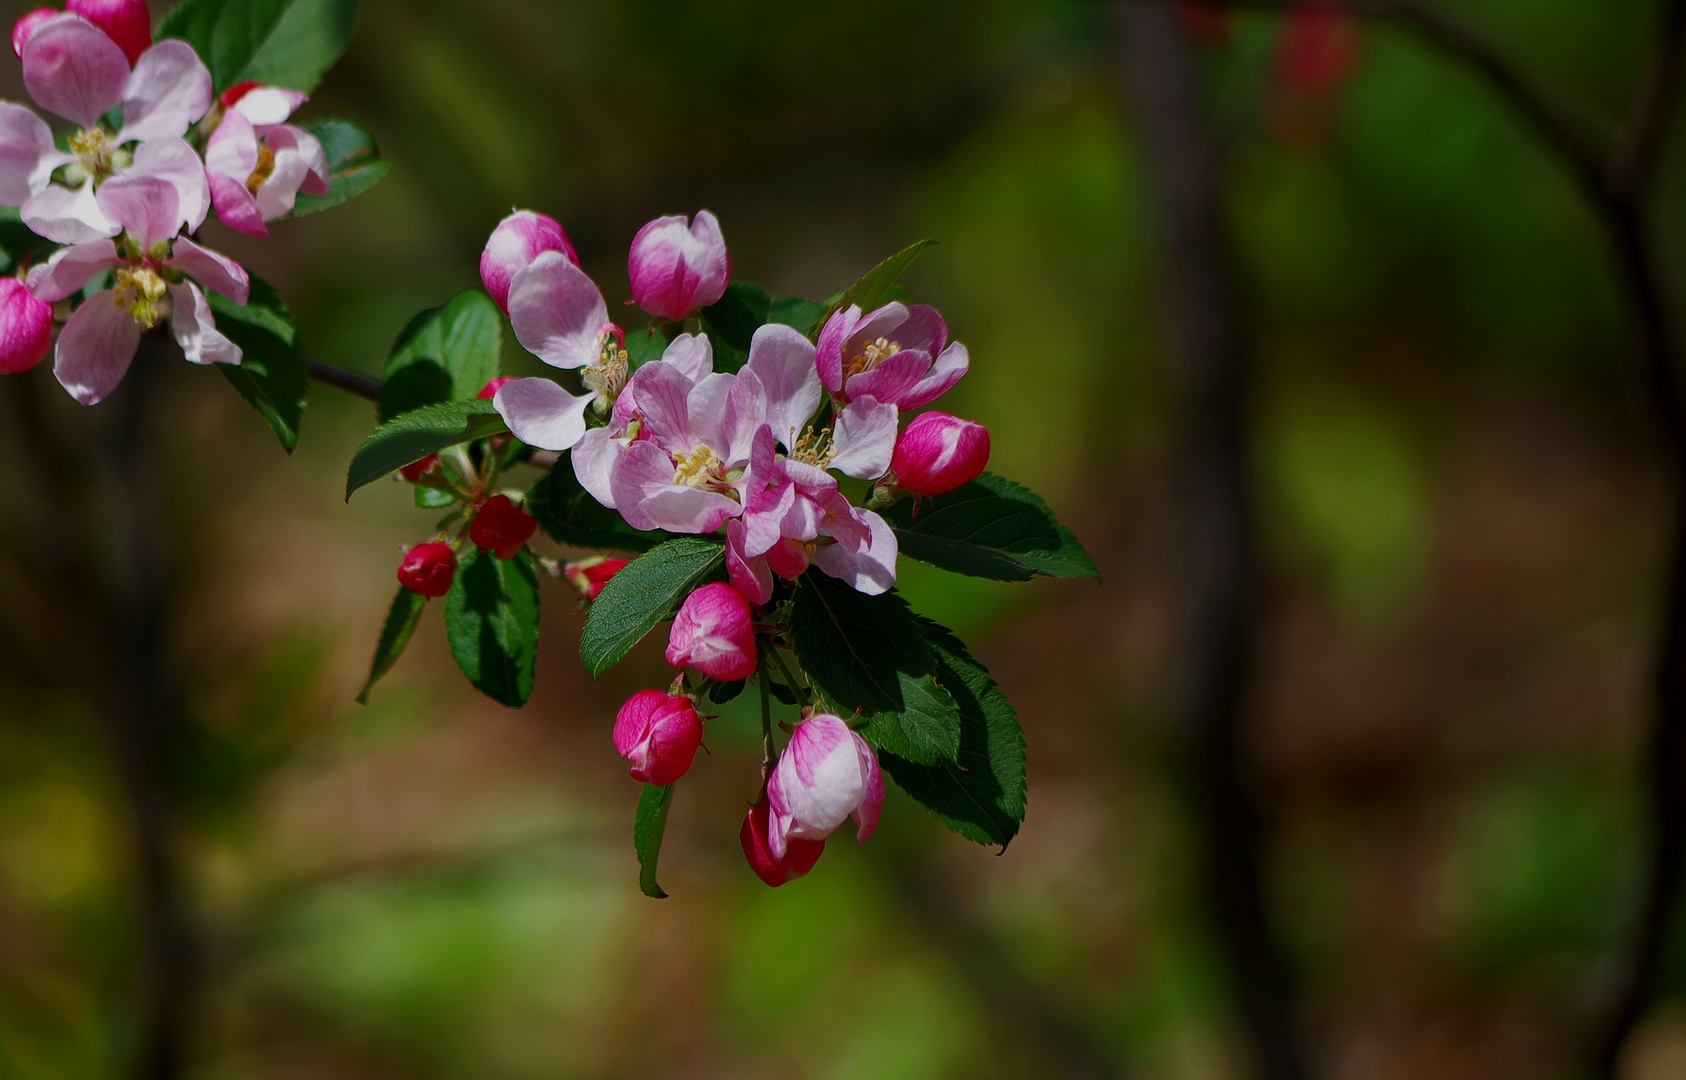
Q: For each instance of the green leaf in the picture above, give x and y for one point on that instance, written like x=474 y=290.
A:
x=401 y=620
x=867 y=656
x=354 y=164
x=289 y=43
x=649 y=589
x=273 y=375
x=874 y=286
x=731 y=323
x=417 y=434
x=981 y=795
x=571 y=515
x=648 y=827
x=446 y=353
x=989 y=528
x=722 y=692
x=492 y=622
x=646 y=343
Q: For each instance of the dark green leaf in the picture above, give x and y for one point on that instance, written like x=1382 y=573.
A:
x=417 y=434
x=445 y=354
x=272 y=375
x=721 y=693
x=989 y=528
x=795 y=312
x=648 y=590
x=289 y=43
x=354 y=164
x=874 y=286
x=644 y=344
x=401 y=622
x=867 y=656
x=492 y=621
x=570 y=515
x=731 y=323
x=981 y=795
x=648 y=827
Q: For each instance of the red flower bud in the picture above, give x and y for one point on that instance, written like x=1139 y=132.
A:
x=26 y=327
x=658 y=734
x=714 y=634
x=519 y=239
x=127 y=22
x=239 y=90
x=415 y=470
x=490 y=390
x=428 y=568
x=26 y=26
x=590 y=575
x=502 y=527
x=938 y=453
x=799 y=855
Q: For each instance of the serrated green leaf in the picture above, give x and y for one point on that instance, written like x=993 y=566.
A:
x=273 y=374
x=446 y=353
x=868 y=659
x=989 y=528
x=981 y=794
x=649 y=825
x=289 y=43
x=401 y=620
x=721 y=693
x=649 y=589
x=874 y=285
x=570 y=515
x=492 y=622
x=354 y=164
x=417 y=434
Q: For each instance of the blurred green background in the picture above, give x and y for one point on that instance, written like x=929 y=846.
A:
x=1462 y=506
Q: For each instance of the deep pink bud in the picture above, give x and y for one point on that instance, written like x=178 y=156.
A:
x=26 y=327
x=502 y=527
x=127 y=22
x=714 y=633
x=590 y=575
x=519 y=239
x=26 y=26
x=658 y=733
x=490 y=390
x=415 y=470
x=938 y=453
x=799 y=856
x=676 y=270
x=826 y=775
x=428 y=568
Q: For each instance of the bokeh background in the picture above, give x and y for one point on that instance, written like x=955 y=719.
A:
x=1462 y=507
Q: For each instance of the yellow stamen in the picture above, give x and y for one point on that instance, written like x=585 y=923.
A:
x=871 y=355
x=93 y=147
x=814 y=449
x=701 y=468
x=608 y=376
x=266 y=166
x=140 y=291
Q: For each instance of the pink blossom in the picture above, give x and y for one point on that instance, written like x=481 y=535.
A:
x=897 y=354
x=658 y=734
x=799 y=855
x=256 y=164
x=100 y=339
x=714 y=633
x=675 y=269
x=127 y=22
x=938 y=453
x=26 y=327
x=826 y=775
x=799 y=519
x=519 y=239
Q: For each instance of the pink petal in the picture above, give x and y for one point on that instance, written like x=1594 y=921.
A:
x=235 y=206
x=73 y=69
x=865 y=437
x=71 y=268
x=692 y=355
x=127 y=22
x=783 y=360
x=174 y=160
x=68 y=215
x=287 y=137
x=232 y=149
x=644 y=469
x=557 y=312
x=893 y=379
x=872 y=797
x=24 y=27
x=833 y=336
x=215 y=271
x=749 y=575
x=277 y=194
x=26 y=327
x=195 y=328
x=924 y=330
x=872 y=569
x=682 y=509
x=95 y=348
x=659 y=393
x=148 y=209
x=27 y=154
x=595 y=457
x=516 y=241
x=541 y=413
x=269 y=104
x=947 y=370
x=169 y=90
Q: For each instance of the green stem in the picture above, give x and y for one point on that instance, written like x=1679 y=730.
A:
x=790 y=680
x=767 y=755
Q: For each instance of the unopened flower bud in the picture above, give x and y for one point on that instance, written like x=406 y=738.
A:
x=428 y=568
x=127 y=22
x=799 y=855
x=26 y=26
x=415 y=470
x=938 y=453
x=26 y=327
x=490 y=390
x=519 y=239
x=674 y=269
x=590 y=575
x=826 y=775
x=714 y=633
x=502 y=527
x=658 y=734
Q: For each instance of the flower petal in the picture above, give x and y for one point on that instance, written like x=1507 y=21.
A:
x=196 y=330
x=71 y=268
x=870 y=569
x=557 y=312
x=27 y=154
x=541 y=413
x=68 y=215
x=865 y=438
x=658 y=393
x=783 y=359
x=749 y=575
x=595 y=457
x=214 y=270
x=692 y=355
x=148 y=209
x=946 y=370
x=284 y=137
x=174 y=160
x=682 y=509
x=73 y=69
x=893 y=379
x=643 y=470
x=169 y=90
x=277 y=194
x=872 y=794
x=95 y=348
x=235 y=206
x=269 y=104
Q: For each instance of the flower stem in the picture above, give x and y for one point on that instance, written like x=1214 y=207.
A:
x=767 y=755
x=790 y=680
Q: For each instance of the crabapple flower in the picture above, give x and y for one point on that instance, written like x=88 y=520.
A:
x=428 y=568
x=677 y=269
x=799 y=855
x=801 y=518
x=151 y=285
x=897 y=354
x=256 y=163
x=590 y=575
x=127 y=22
x=658 y=734
x=826 y=775
x=519 y=239
x=501 y=527
x=26 y=26
x=26 y=327
x=714 y=633
x=938 y=453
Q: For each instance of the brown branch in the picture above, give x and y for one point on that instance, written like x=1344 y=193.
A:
x=349 y=381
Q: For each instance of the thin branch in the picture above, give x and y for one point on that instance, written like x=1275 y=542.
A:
x=1634 y=168
x=349 y=381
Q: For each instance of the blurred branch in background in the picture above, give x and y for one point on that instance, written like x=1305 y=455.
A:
x=1218 y=538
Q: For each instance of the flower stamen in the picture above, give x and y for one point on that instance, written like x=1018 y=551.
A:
x=140 y=291
x=265 y=169
x=701 y=468
x=93 y=148
x=872 y=354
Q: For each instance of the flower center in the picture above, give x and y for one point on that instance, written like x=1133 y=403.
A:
x=814 y=448
x=140 y=291
x=266 y=166
x=701 y=468
x=607 y=377
x=93 y=148
x=872 y=354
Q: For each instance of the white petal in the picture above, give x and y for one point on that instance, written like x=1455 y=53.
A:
x=784 y=362
x=196 y=330
x=67 y=215
x=71 y=268
x=557 y=312
x=95 y=349
x=169 y=89
x=865 y=438
x=541 y=413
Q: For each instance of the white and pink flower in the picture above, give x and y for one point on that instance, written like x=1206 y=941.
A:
x=714 y=633
x=938 y=453
x=256 y=162
x=896 y=354
x=658 y=735
x=677 y=269
x=519 y=239
x=827 y=775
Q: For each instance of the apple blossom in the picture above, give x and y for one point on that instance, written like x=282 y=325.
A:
x=658 y=734
x=26 y=327
x=502 y=527
x=826 y=775
x=428 y=568
x=896 y=354
x=590 y=575
x=799 y=855
x=519 y=239
x=938 y=453
x=127 y=22
x=256 y=163
x=675 y=269
x=714 y=633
